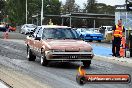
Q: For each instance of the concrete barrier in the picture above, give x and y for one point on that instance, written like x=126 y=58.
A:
x=13 y=35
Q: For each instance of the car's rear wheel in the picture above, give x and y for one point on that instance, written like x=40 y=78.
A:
x=86 y=63
x=30 y=55
x=44 y=61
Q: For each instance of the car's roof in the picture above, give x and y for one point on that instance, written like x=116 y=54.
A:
x=53 y=26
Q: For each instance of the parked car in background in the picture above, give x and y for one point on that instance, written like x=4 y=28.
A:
x=106 y=30
x=2 y=28
x=58 y=43
x=90 y=34
x=27 y=28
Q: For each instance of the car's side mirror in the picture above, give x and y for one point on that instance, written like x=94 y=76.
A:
x=38 y=38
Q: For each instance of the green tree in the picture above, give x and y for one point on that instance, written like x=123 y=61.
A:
x=17 y=9
x=2 y=9
x=98 y=8
x=52 y=7
x=69 y=6
x=91 y=6
x=76 y=8
x=2 y=4
x=105 y=9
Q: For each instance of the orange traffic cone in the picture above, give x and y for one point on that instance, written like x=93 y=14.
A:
x=122 y=47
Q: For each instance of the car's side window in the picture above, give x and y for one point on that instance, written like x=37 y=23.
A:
x=39 y=34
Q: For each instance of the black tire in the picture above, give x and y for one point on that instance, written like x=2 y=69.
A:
x=90 y=40
x=86 y=63
x=44 y=61
x=80 y=80
x=30 y=55
x=99 y=40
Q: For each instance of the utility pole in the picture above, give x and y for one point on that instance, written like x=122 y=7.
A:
x=42 y=13
x=26 y=11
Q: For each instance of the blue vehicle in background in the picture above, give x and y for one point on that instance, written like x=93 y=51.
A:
x=2 y=27
x=90 y=34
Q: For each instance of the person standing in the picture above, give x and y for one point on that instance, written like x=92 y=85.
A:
x=117 y=37
x=50 y=22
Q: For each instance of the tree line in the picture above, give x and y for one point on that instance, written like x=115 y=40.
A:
x=16 y=10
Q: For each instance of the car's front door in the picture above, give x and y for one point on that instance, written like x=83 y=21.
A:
x=38 y=43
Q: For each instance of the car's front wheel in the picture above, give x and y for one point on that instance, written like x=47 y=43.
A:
x=30 y=55
x=44 y=61
x=86 y=63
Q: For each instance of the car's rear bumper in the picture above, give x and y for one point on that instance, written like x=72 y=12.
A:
x=69 y=56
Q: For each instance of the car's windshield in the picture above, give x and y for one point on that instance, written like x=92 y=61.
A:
x=60 y=33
